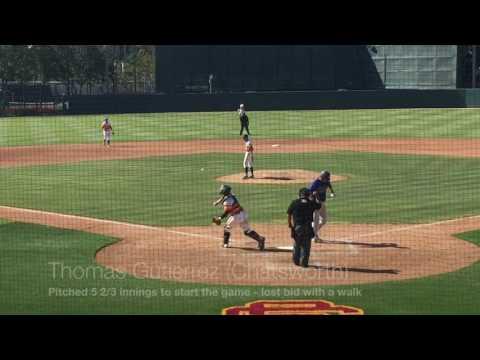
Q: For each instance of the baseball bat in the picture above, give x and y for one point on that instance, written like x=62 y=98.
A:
x=219 y=201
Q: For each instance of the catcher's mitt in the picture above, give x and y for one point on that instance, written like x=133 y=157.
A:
x=216 y=220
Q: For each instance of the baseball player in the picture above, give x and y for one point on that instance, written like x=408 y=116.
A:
x=319 y=189
x=248 y=158
x=107 y=131
x=235 y=214
x=243 y=119
x=300 y=215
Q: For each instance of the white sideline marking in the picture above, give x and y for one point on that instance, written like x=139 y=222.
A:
x=284 y=247
x=112 y=222
x=409 y=227
x=108 y=222
x=41 y=212
x=192 y=234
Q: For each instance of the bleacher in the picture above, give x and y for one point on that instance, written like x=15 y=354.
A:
x=29 y=99
x=36 y=93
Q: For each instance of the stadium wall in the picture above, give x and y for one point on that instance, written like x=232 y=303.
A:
x=318 y=100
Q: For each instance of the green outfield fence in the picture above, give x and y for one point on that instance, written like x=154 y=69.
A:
x=317 y=100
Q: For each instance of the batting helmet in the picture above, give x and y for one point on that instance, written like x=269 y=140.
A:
x=325 y=175
x=304 y=193
x=245 y=137
x=225 y=189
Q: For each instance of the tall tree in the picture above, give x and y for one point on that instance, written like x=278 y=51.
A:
x=7 y=64
x=48 y=60
x=66 y=63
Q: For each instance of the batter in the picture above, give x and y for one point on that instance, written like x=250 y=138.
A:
x=319 y=189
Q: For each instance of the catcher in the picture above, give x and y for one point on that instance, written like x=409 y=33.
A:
x=235 y=215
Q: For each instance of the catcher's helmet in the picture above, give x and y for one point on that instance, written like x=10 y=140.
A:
x=325 y=175
x=304 y=193
x=225 y=189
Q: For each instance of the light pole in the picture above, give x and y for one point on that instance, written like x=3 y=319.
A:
x=474 y=66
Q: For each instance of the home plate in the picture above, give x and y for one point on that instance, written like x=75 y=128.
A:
x=275 y=145
x=284 y=247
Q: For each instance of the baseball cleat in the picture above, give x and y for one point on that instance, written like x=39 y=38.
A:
x=317 y=240
x=245 y=177
x=261 y=244
x=226 y=246
x=251 y=177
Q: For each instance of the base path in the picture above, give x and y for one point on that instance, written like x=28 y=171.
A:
x=352 y=254
x=60 y=154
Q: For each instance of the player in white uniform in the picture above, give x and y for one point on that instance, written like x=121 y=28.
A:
x=107 y=132
x=248 y=158
x=235 y=214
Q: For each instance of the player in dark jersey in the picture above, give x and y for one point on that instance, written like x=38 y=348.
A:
x=319 y=189
x=300 y=216
x=243 y=120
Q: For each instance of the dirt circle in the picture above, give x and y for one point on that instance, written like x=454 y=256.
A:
x=282 y=177
x=351 y=254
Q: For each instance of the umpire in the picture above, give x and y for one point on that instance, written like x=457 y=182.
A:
x=243 y=119
x=300 y=217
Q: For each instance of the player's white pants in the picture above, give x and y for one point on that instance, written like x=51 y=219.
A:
x=241 y=219
x=248 y=160
x=107 y=135
x=319 y=219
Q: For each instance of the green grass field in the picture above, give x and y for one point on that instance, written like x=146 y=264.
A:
x=381 y=189
x=418 y=123
x=154 y=190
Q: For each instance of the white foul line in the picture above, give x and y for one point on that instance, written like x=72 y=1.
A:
x=107 y=222
x=113 y=222
x=409 y=227
x=192 y=234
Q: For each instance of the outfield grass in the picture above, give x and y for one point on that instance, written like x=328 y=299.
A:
x=418 y=123
x=381 y=188
x=28 y=254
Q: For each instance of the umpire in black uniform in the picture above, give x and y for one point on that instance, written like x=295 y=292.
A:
x=243 y=119
x=300 y=217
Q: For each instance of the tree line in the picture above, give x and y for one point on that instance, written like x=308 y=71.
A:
x=79 y=67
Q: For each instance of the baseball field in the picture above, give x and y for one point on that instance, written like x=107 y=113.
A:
x=126 y=229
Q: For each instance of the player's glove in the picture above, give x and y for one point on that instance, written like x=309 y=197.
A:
x=216 y=220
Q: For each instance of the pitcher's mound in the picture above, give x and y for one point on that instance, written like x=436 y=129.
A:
x=291 y=176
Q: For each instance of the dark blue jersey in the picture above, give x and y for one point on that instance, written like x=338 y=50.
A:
x=320 y=187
